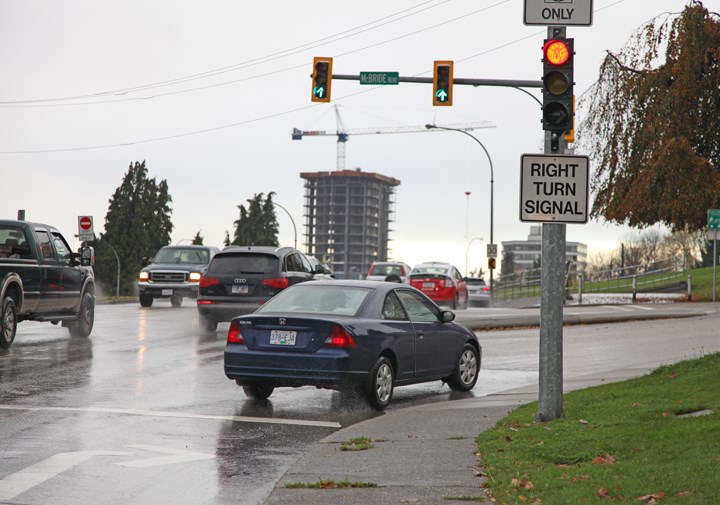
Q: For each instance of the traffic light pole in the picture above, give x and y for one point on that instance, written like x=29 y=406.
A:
x=552 y=299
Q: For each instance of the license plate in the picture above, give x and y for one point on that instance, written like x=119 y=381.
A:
x=283 y=337
x=428 y=285
x=241 y=289
x=167 y=292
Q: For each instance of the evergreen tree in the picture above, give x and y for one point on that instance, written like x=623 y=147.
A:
x=257 y=224
x=137 y=224
x=198 y=240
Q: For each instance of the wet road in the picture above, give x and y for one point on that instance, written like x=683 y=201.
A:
x=141 y=412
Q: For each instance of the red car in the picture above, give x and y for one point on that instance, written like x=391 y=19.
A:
x=442 y=283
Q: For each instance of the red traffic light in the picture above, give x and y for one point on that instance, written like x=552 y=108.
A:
x=556 y=52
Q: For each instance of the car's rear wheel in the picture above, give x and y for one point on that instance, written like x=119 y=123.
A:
x=379 y=385
x=259 y=391
x=85 y=318
x=466 y=373
x=176 y=300
x=8 y=322
x=146 y=300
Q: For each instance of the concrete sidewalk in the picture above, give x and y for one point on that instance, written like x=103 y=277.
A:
x=424 y=454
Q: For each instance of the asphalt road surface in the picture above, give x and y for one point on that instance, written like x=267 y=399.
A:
x=141 y=412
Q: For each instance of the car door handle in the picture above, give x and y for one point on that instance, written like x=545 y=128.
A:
x=420 y=334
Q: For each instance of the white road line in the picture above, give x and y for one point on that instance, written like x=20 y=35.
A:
x=176 y=456
x=179 y=415
x=29 y=477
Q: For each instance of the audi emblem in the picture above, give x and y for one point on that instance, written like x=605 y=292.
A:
x=239 y=280
x=282 y=321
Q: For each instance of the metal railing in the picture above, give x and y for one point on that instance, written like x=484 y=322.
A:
x=657 y=276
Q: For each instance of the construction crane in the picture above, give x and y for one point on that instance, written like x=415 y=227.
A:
x=343 y=135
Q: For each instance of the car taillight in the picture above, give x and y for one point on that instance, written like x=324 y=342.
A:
x=339 y=338
x=235 y=334
x=277 y=283
x=485 y=288
x=206 y=282
x=449 y=283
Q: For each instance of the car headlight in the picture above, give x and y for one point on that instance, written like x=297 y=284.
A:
x=195 y=276
x=144 y=276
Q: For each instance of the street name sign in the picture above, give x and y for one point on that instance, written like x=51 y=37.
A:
x=379 y=78
x=558 y=12
x=554 y=188
x=713 y=219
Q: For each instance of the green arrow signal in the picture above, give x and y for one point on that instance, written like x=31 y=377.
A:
x=442 y=95
x=319 y=91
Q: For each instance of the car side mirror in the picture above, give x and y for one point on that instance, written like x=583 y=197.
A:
x=87 y=256
x=145 y=261
x=447 y=316
x=319 y=269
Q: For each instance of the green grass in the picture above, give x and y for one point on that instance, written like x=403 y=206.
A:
x=623 y=441
x=356 y=444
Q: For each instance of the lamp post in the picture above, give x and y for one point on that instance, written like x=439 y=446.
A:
x=291 y=220
x=492 y=180
x=467 y=251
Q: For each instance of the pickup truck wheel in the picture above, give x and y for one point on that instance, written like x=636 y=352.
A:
x=176 y=300
x=8 y=322
x=259 y=391
x=86 y=318
x=146 y=300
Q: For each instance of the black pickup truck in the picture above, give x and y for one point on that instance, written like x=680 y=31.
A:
x=41 y=279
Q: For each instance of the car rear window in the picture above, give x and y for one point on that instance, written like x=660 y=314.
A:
x=322 y=299
x=385 y=269
x=475 y=282
x=429 y=271
x=246 y=263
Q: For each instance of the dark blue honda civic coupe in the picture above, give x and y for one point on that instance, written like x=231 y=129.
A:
x=350 y=335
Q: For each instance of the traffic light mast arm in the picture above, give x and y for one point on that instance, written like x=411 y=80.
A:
x=457 y=80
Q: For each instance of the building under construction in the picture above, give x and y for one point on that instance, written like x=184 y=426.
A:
x=348 y=215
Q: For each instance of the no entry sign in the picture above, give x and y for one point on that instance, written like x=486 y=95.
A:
x=85 y=228
x=554 y=188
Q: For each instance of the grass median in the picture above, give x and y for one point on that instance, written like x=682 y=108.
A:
x=651 y=440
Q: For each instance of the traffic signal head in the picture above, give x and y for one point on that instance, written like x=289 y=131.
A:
x=558 y=61
x=321 y=79
x=491 y=263
x=442 y=82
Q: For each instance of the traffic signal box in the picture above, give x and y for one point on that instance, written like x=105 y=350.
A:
x=442 y=83
x=491 y=263
x=558 y=81
x=321 y=79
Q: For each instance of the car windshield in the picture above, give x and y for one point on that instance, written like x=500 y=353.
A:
x=321 y=299
x=385 y=269
x=180 y=255
x=246 y=263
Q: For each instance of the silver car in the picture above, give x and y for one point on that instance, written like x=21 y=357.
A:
x=478 y=292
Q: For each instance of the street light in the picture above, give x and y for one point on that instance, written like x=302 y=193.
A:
x=492 y=180
x=467 y=251
x=291 y=220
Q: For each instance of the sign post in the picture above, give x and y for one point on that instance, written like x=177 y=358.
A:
x=713 y=227
x=85 y=229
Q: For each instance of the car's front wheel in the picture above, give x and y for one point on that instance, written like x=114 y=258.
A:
x=259 y=391
x=8 y=322
x=176 y=300
x=85 y=318
x=379 y=385
x=146 y=300
x=466 y=373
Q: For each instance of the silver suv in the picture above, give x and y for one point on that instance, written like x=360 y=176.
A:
x=396 y=271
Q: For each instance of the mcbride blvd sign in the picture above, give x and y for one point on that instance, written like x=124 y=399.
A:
x=554 y=188
x=379 y=78
x=713 y=219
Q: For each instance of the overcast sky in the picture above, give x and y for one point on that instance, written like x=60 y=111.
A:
x=207 y=93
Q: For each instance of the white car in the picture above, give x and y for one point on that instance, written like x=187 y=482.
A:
x=380 y=270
